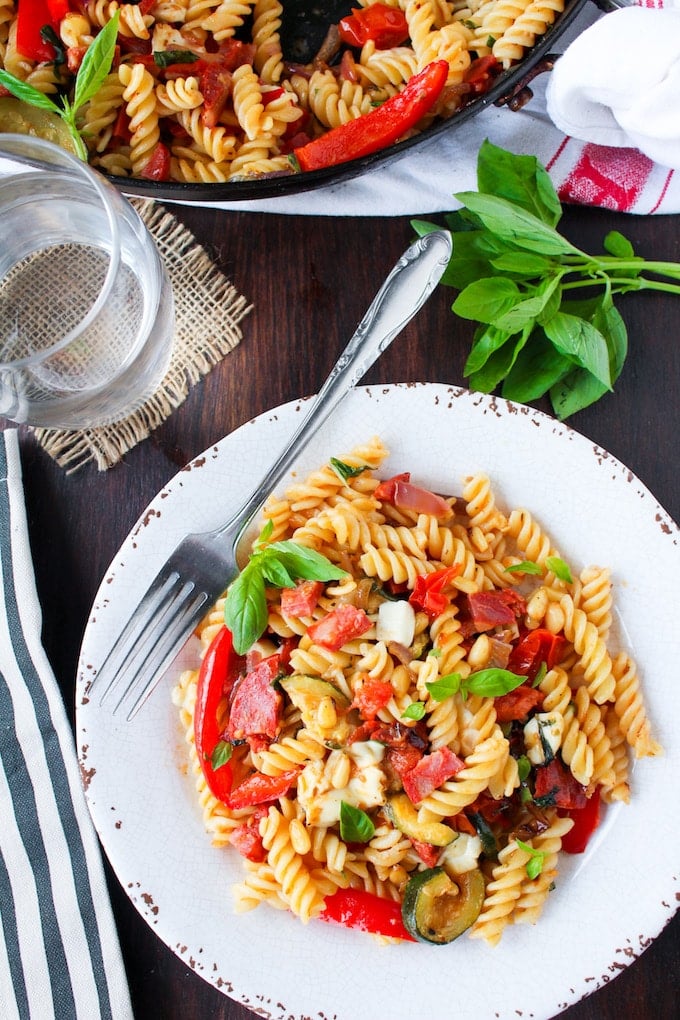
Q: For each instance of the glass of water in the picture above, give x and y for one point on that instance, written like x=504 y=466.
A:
x=86 y=308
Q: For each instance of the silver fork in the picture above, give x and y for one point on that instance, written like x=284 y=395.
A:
x=202 y=565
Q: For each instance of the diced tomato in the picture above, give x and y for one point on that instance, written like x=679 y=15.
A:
x=260 y=789
x=246 y=837
x=430 y=772
x=400 y=492
x=385 y=26
x=357 y=908
x=428 y=854
x=533 y=648
x=518 y=703
x=490 y=609
x=121 y=128
x=302 y=599
x=554 y=785
x=372 y=695
x=257 y=706
x=428 y=591
x=157 y=167
x=342 y=624
x=586 y=820
x=481 y=72
x=215 y=84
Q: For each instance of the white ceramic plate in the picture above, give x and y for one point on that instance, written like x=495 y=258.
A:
x=608 y=904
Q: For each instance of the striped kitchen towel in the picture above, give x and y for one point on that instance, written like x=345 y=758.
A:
x=59 y=951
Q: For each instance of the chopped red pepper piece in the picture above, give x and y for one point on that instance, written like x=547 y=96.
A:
x=586 y=819
x=373 y=695
x=302 y=599
x=31 y=18
x=379 y=128
x=357 y=908
x=428 y=591
x=261 y=789
x=246 y=837
x=383 y=25
x=157 y=167
x=215 y=678
x=341 y=625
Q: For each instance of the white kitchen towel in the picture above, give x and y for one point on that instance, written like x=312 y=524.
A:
x=426 y=177
x=59 y=953
x=618 y=84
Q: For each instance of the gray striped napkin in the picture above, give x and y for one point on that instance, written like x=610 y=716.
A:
x=59 y=951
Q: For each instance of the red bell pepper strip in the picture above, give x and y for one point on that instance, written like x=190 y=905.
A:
x=383 y=25
x=58 y=9
x=379 y=128
x=31 y=18
x=357 y=908
x=214 y=679
x=586 y=820
x=261 y=789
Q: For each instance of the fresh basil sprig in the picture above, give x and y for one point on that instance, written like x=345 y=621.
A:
x=554 y=563
x=488 y=683
x=516 y=275
x=534 y=865
x=355 y=824
x=277 y=565
x=95 y=65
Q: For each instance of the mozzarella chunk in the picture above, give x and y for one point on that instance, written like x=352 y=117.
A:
x=544 y=730
x=396 y=622
x=462 y=854
x=365 y=788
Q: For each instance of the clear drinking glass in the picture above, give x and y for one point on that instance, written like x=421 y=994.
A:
x=86 y=308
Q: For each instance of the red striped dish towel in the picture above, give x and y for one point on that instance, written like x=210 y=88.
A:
x=59 y=952
x=583 y=170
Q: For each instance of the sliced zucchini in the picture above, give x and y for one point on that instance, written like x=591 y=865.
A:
x=19 y=118
x=404 y=817
x=437 y=910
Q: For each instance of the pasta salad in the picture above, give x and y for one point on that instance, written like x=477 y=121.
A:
x=200 y=91
x=415 y=711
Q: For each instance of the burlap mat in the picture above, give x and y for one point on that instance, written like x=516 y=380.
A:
x=208 y=310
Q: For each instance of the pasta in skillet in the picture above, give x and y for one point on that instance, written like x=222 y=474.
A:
x=201 y=91
x=417 y=739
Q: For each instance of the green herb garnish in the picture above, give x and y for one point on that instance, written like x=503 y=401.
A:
x=95 y=65
x=517 y=276
x=416 y=710
x=221 y=754
x=525 y=567
x=488 y=683
x=534 y=865
x=278 y=565
x=559 y=568
x=355 y=825
x=346 y=471
x=165 y=58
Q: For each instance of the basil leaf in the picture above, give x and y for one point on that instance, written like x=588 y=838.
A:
x=346 y=471
x=165 y=58
x=525 y=567
x=537 y=367
x=516 y=225
x=27 y=93
x=534 y=865
x=274 y=571
x=519 y=179
x=302 y=562
x=487 y=300
x=486 y=342
x=96 y=63
x=559 y=568
x=265 y=534
x=500 y=362
x=529 y=308
x=525 y=264
x=492 y=682
x=523 y=768
x=445 y=687
x=245 y=608
x=355 y=825
x=619 y=245
x=580 y=340
x=416 y=710
x=221 y=754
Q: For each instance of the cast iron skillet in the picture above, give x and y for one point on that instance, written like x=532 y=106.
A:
x=303 y=29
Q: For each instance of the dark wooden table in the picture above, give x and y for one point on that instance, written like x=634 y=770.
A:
x=310 y=280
